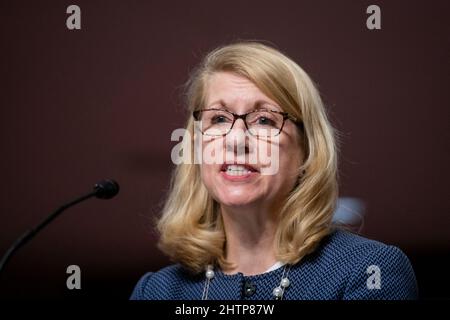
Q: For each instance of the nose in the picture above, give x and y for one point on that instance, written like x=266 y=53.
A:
x=236 y=139
x=239 y=124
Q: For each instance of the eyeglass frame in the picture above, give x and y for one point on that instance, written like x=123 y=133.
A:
x=243 y=116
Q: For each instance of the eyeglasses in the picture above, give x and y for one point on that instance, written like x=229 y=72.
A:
x=260 y=122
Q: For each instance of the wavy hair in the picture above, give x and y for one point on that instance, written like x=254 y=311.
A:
x=191 y=227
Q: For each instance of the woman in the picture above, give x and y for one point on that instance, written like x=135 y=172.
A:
x=239 y=231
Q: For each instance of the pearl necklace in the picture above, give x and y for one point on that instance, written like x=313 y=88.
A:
x=277 y=291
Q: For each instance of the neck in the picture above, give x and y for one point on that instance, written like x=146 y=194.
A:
x=250 y=234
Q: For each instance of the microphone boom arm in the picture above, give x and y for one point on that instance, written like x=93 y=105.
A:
x=105 y=189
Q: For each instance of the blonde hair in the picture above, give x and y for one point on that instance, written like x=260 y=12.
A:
x=191 y=228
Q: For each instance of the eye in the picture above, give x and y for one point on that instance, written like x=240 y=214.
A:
x=219 y=119
x=265 y=121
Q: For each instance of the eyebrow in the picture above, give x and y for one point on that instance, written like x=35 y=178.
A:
x=257 y=104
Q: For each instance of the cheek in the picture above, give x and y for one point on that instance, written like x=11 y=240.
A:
x=280 y=158
x=289 y=161
x=206 y=174
x=290 y=155
x=211 y=155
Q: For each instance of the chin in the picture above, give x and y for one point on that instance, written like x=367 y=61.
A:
x=236 y=201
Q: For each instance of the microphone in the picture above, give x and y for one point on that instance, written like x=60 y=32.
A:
x=105 y=189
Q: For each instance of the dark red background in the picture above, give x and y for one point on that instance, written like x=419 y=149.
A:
x=78 y=106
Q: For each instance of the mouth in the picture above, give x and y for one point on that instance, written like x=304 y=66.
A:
x=236 y=170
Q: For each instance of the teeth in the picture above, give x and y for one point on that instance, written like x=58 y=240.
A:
x=237 y=170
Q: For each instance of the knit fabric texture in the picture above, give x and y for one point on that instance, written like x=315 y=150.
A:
x=344 y=267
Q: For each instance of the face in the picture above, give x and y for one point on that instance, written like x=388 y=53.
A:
x=235 y=180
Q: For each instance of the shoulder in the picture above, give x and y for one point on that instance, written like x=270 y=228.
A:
x=163 y=284
x=344 y=243
x=368 y=269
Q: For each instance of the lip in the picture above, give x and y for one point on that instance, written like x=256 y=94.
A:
x=248 y=166
x=246 y=177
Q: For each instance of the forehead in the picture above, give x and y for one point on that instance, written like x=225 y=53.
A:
x=234 y=91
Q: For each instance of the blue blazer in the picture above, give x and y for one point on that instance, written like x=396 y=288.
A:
x=344 y=267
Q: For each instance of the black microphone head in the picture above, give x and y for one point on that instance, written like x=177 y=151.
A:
x=106 y=189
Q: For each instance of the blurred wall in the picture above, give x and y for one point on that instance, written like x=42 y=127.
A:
x=80 y=105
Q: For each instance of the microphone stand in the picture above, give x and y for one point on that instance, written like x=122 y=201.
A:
x=105 y=189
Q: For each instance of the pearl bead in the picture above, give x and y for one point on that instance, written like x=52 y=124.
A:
x=277 y=292
x=210 y=274
x=285 y=282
